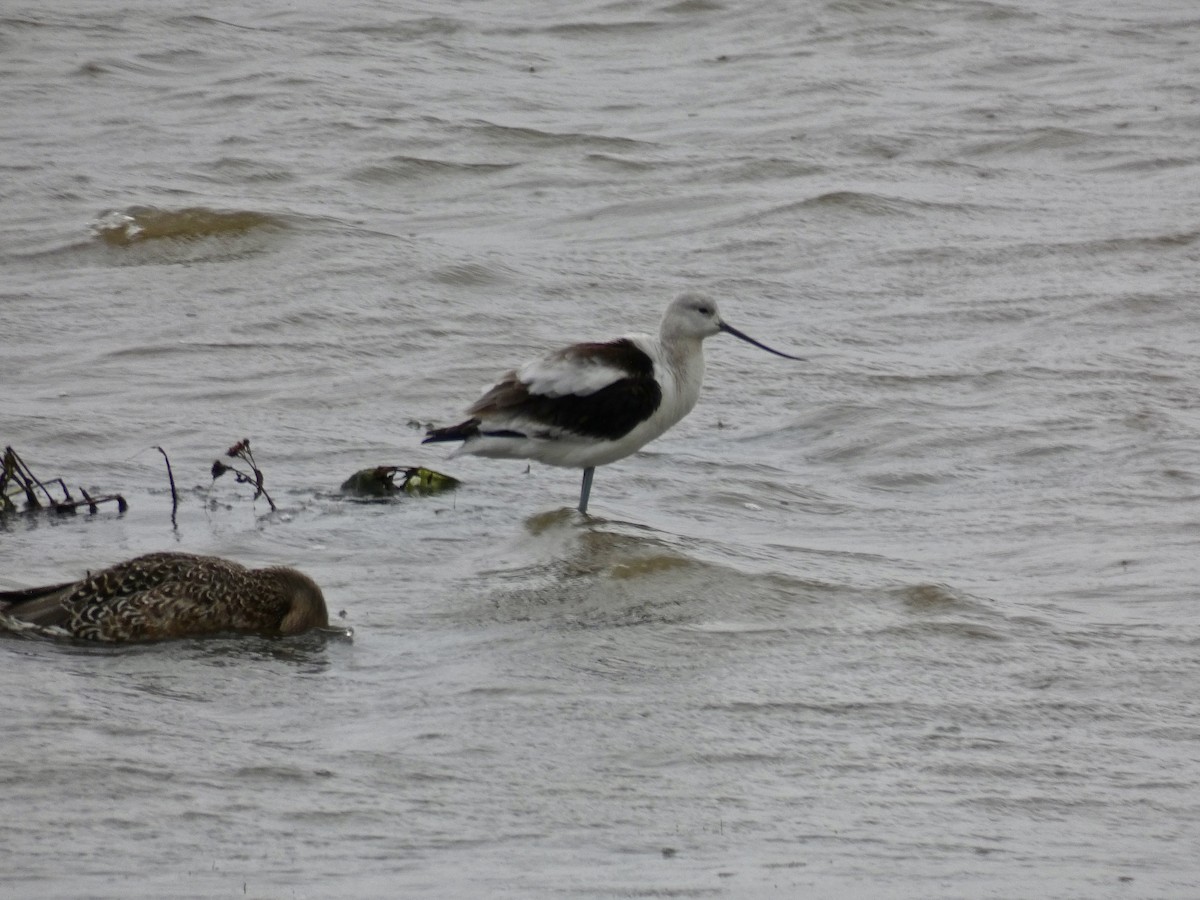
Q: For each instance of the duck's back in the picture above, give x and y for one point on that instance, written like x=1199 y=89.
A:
x=159 y=595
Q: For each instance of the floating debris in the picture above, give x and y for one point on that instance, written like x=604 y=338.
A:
x=381 y=481
x=17 y=479
x=241 y=450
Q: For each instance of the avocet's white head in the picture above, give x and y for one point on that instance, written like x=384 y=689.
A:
x=696 y=317
x=691 y=316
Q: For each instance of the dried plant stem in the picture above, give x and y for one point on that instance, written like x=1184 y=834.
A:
x=241 y=450
x=171 y=479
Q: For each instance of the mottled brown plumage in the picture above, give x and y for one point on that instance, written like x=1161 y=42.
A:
x=168 y=595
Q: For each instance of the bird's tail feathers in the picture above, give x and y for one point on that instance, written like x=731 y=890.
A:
x=9 y=599
x=463 y=431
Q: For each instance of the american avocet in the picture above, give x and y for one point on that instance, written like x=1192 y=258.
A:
x=588 y=405
x=168 y=595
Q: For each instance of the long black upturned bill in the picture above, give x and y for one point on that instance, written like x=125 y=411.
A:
x=729 y=329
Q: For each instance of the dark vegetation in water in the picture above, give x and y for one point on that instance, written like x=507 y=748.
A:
x=22 y=492
x=17 y=480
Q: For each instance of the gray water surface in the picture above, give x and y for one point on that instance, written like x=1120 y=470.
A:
x=915 y=618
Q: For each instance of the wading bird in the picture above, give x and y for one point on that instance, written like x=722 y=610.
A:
x=588 y=405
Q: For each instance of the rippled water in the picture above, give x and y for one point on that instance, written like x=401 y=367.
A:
x=914 y=618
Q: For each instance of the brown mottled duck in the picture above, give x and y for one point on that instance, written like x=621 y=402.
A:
x=168 y=595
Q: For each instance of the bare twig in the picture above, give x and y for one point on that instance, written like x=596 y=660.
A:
x=92 y=503
x=13 y=469
x=24 y=477
x=171 y=479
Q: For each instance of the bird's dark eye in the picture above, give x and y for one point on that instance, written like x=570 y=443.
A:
x=704 y=310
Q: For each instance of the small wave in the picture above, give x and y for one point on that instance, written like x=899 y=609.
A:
x=520 y=136
x=195 y=22
x=598 y=578
x=1033 y=141
x=936 y=609
x=848 y=202
x=930 y=597
x=403 y=168
x=1022 y=252
x=98 y=68
x=620 y=164
x=1157 y=164
x=875 y=204
x=693 y=6
x=470 y=274
x=601 y=29
x=982 y=11
x=406 y=30
x=756 y=170
x=122 y=228
x=232 y=168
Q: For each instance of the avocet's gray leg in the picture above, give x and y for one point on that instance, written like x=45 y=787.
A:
x=586 y=490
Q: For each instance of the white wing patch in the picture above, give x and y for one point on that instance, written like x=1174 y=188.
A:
x=562 y=376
